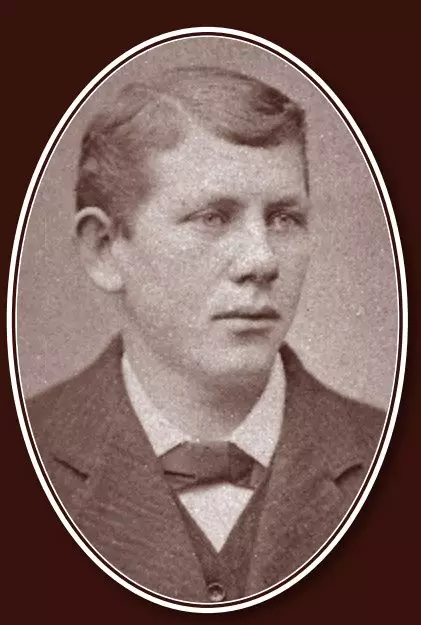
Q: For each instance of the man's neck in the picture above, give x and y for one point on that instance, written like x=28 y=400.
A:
x=202 y=409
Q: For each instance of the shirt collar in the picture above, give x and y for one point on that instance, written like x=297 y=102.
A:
x=257 y=435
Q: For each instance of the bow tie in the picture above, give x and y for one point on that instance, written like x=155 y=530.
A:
x=190 y=464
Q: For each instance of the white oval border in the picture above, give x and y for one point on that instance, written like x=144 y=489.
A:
x=402 y=330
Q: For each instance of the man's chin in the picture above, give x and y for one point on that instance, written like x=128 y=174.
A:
x=239 y=365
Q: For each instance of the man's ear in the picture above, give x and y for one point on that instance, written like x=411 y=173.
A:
x=95 y=234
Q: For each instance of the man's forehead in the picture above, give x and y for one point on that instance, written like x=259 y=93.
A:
x=205 y=159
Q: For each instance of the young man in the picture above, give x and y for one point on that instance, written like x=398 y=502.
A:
x=197 y=456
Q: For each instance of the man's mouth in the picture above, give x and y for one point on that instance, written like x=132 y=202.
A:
x=262 y=313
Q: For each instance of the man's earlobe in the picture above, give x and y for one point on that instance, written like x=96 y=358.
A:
x=94 y=235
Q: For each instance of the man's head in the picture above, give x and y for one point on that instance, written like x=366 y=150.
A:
x=114 y=172
x=192 y=202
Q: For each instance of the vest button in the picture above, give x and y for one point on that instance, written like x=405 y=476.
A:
x=216 y=592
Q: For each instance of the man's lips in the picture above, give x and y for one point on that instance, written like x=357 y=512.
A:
x=245 y=312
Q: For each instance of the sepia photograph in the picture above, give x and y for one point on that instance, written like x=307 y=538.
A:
x=207 y=314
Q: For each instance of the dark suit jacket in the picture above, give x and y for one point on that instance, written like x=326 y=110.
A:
x=110 y=482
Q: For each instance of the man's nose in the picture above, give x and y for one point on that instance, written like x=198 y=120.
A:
x=254 y=257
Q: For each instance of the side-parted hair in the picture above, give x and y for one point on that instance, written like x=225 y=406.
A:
x=113 y=167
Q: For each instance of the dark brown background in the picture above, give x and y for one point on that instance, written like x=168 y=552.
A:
x=370 y=63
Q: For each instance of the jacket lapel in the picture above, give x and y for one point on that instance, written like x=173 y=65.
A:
x=124 y=508
x=303 y=504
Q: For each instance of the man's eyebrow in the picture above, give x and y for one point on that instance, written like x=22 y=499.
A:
x=223 y=202
x=288 y=201
x=229 y=203
x=226 y=204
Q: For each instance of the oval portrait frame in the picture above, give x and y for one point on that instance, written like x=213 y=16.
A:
x=401 y=288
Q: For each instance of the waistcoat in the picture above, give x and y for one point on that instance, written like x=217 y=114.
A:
x=225 y=572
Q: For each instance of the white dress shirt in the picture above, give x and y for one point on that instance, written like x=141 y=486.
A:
x=216 y=507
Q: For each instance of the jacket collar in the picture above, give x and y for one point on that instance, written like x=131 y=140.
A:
x=83 y=423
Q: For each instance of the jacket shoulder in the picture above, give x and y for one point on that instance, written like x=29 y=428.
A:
x=365 y=421
x=336 y=417
x=49 y=410
x=47 y=407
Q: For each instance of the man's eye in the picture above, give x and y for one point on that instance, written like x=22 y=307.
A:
x=283 y=221
x=212 y=218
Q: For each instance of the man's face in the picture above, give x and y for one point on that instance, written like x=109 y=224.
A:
x=218 y=253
